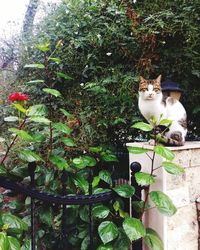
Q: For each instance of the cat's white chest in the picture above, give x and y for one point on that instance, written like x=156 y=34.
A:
x=151 y=108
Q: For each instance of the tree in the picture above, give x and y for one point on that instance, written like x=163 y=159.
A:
x=29 y=16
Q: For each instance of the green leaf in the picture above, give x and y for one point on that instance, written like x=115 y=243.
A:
x=100 y=190
x=105 y=247
x=85 y=243
x=165 y=122
x=46 y=215
x=16 y=224
x=22 y=134
x=84 y=161
x=55 y=59
x=95 y=181
x=137 y=150
x=35 y=81
x=108 y=231
x=66 y=113
x=44 y=47
x=61 y=127
x=21 y=171
x=123 y=214
x=84 y=213
x=19 y=107
x=64 y=76
x=144 y=179
x=29 y=156
x=152 y=240
x=3 y=171
x=122 y=242
x=138 y=206
x=26 y=245
x=53 y=92
x=38 y=110
x=119 y=120
x=79 y=163
x=81 y=182
x=196 y=73
x=40 y=119
x=142 y=126
x=83 y=231
x=100 y=211
x=124 y=190
x=60 y=162
x=105 y=176
x=11 y=119
x=164 y=152
x=134 y=228
x=4 y=244
x=38 y=137
x=95 y=149
x=172 y=168
x=89 y=161
x=68 y=142
x=116 y=206
x=35 y=65
x=163 y=203
x=109 y=157
x=14 y=243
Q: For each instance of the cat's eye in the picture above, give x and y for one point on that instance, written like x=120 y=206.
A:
x=144 y=89
x=157 y=90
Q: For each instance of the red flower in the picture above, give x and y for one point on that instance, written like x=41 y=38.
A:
x=16 y=96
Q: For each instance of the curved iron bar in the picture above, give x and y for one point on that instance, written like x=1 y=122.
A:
x=56 y=199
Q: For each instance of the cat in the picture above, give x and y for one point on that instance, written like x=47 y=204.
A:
x=152 y=103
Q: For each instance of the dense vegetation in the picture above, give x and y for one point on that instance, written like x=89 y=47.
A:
x=105 y=46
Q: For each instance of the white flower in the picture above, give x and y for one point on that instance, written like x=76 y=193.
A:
x=82 y=84
x=109 y=54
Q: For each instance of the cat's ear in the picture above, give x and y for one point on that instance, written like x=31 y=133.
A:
x=158 y=79
x=142 y=79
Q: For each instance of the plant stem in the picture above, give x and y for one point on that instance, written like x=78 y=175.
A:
x=151 y=173
x=49 y=84
x=13 y=141
x=157 y=168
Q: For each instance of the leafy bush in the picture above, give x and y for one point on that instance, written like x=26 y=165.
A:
x=104 y=51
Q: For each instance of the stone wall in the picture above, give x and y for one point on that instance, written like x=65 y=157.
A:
x=179 y=232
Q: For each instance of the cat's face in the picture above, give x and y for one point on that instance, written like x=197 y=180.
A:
x=150 y=89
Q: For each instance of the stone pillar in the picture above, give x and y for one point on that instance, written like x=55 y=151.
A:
x=179 y=232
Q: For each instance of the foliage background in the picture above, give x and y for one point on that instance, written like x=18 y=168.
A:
x=106 y=45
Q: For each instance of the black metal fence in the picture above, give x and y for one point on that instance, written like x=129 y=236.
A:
x=64 y=200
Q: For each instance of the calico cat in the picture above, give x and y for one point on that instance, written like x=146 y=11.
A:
x=152 y=103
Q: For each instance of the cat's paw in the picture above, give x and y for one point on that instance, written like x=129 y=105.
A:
x=151 y=142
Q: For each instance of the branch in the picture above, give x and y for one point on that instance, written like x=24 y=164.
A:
x=13 y=141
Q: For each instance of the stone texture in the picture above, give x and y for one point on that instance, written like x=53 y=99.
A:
x=182 y=229
x=193 y=182
x=175 y=181
x=195 y=159
x=179 y=196
x=183 y=158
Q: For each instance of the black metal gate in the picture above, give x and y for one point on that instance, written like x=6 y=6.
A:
x=64 y=200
